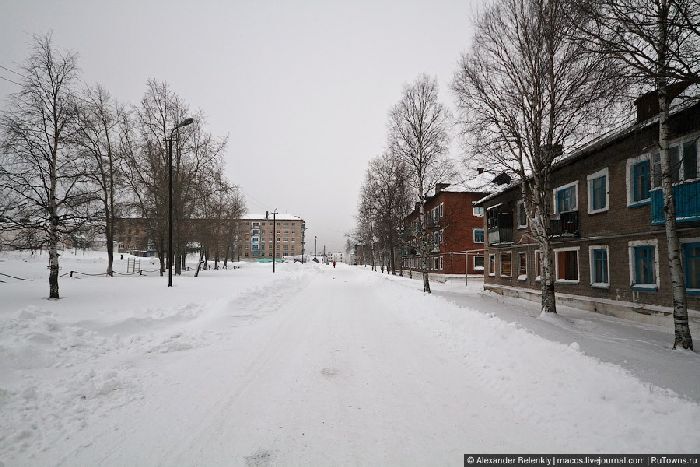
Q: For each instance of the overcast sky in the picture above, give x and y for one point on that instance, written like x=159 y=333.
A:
x=301 y=88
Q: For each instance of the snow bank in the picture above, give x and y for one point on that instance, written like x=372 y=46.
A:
x=579 y=402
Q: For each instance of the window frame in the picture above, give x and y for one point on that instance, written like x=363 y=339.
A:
x=556 y=190
x=556 y=252
x=483 y=235
x=492 y=271
x=500 y=264
x=591 y=248
x=518 y=206
x=632 y=161
x=630 y=254
x=483 y=263
x=683 y=241
x=474 y=211
x=594 y=176
x=538 y=265
x=522 y=277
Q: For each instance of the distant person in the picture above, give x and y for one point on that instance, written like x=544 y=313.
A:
x=333 y=263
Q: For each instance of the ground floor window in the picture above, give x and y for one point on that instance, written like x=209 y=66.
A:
x=478 y=263
x=598 y=258
x=538 y=265
x=566 y=265
x=506 y=265
x=492 y=265
x=522 y=266
x=437 y=263
x=691 y=266
x=643 y=264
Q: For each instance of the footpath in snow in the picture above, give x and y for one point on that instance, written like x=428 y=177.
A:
x=311 y=366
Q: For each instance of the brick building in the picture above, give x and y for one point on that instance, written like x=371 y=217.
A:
x=455 y=226
x=610 y=245
x=252 y=231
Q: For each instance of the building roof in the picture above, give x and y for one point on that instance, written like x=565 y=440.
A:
x=261 y=217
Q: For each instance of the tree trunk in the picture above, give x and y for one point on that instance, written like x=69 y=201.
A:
x=109 y=233
x=680 y=303
x=549 y=302
x=423 y=247
x=199 y=264
x=53 y=260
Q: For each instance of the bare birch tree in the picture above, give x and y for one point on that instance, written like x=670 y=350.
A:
x=38 y=165
x=525 y=93
x=658 y=44
x=97 y=140
x=418 y=136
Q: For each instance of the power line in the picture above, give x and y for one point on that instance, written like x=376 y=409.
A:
x=9 y=80
x=13 y=71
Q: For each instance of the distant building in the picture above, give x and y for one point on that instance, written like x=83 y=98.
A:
x=456 y=233
x=257 y=239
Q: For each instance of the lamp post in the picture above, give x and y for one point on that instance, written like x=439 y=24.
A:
x=274 y=239
x=169 y=142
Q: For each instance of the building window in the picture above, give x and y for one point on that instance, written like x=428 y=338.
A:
x=478 y=211
x=506 y=264
x=644 y=265
x=441 y=210
x=522 y=266
x=566 y=265
x=566 y=198
x=492 y=265
x=638 y=180
x=691 y=265
x=478 y=263
x=600 y=270
x=522 y=215
x=598 y=191
x=538 y=265
x=478 y=235
x=437 y=263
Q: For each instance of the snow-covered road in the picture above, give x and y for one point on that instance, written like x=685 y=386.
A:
x=320 y=366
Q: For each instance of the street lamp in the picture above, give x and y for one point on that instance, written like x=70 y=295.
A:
x=314 y=246
x=274 y=237
x=169 y=142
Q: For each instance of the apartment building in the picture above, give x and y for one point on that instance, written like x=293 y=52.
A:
x=455 y=227
x=256 y=231
x=610 y=244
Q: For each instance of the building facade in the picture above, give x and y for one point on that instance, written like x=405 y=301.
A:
x=256 y=232
x=455 y=233
x=609 y=244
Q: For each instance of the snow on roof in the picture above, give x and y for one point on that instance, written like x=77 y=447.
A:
x=280 y=217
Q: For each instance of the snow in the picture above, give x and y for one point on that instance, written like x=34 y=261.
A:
x=319 y=366
x=279 y=217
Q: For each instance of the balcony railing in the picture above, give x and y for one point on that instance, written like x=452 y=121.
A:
x=500 y=235
x=566 y=225
x=686 y=199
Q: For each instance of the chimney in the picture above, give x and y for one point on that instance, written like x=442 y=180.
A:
x=647 y=106
x=440 y=186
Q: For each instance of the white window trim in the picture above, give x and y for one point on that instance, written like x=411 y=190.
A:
x=603 y=172
x=522 y=277
x=537 y=278
x=483 y=232
x=474 y=208
x=500 y=264
x=628 y=180
x=599 y=285
x=492 y=273
x=689 y=240
x=474 y=266
x=630 y=256
x=442 y=210
x=520 y=204
x=564 y=187
x=577 y=249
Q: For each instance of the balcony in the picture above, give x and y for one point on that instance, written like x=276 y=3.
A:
x=500 y=235
x=566 y=225
x=686 y=199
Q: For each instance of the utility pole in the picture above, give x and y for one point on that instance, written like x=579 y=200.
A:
x=314 y=246
x=325 y=260
x=169 y=142
x=274 y=239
